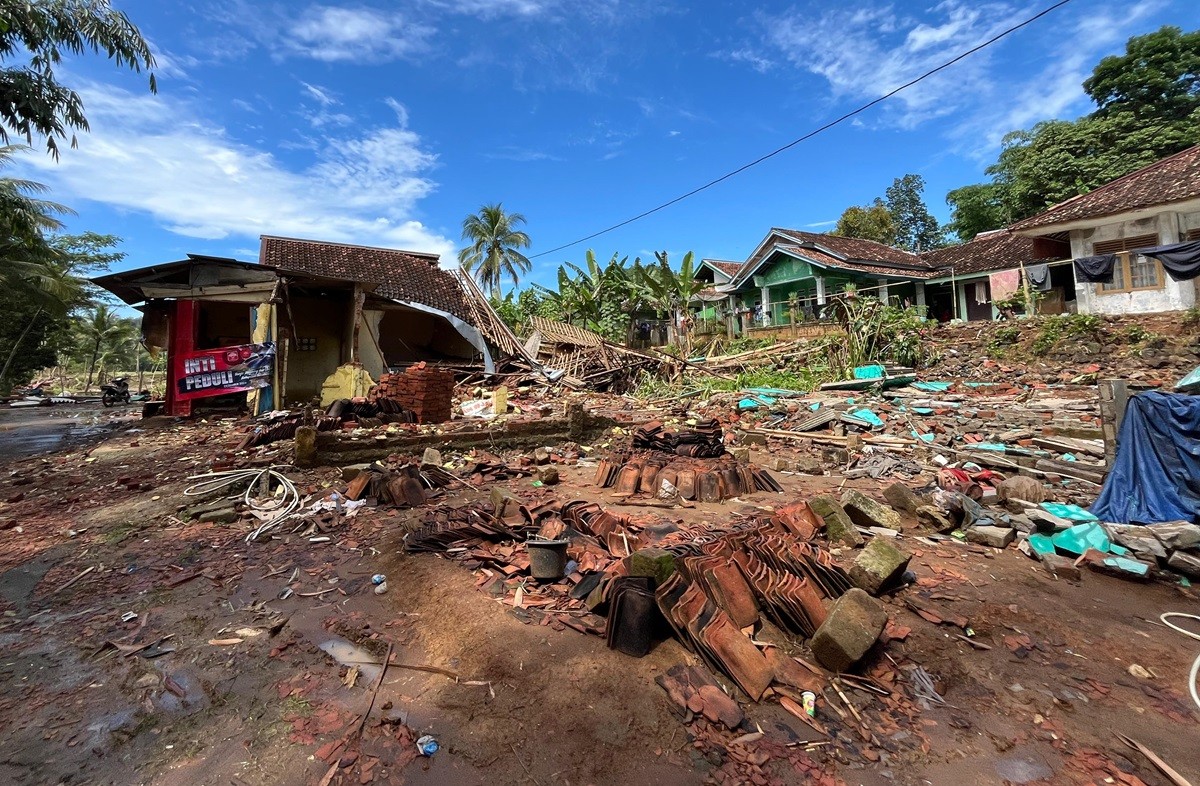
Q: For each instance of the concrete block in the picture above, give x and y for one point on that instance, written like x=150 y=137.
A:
x=996 y=537
x=935 y=518
x=305 y=447
x=852 y=627
x=351 y=471
x=838 y=526
x=431 y=458
x=548 y=475
x=1177 y=534
x=901 y=497
x=1187 y=564
x=746 y=438
x=658 y=564
x=1142 y=541
x=741 y=454
x=1058 y=565
x=866 y=512
x=810 y=465
x=879 y=565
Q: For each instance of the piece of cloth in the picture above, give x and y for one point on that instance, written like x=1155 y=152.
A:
x=1180 y=260
x=981 y=293
x=1004 y=283
x=1097 y=269
x=1039 y=277
x=1156 y=474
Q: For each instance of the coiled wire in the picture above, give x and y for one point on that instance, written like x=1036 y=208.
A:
x=276 y=508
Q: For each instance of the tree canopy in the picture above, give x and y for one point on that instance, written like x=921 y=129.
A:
x=494 y=247
x=900 y=219
x=870 y=222
x=1147 y=108
x=33 y=102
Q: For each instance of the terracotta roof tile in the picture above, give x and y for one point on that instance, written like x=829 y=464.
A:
x=729 y=268
x=853 y=247
x=401 y=275
x=989 y=251
x=1173 y=179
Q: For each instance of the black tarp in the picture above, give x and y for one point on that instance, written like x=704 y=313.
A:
x=1180 y=260
x=1097 y=269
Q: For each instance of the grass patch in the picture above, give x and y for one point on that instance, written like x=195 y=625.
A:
x=295 y=707
x=119 y=532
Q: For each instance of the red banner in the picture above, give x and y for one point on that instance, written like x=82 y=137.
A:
x=215 y=372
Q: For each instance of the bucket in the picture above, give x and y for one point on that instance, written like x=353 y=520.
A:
x=547 y=558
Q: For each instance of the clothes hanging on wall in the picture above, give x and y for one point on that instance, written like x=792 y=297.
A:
x=1180 y=260
x=981 y=292
x=1097 y=269
x=1039 y=277
x=1004 y=283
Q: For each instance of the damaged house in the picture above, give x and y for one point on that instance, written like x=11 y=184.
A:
x=1130 y=246
x=309 y=321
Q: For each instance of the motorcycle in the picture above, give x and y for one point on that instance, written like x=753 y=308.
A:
x=115 y=392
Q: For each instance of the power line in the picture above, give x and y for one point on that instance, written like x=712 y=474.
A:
x=810 y=134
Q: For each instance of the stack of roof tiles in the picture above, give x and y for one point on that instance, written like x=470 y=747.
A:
x=705 y=440
x=426 y=392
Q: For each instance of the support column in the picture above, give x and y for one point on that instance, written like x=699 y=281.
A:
x=820 y=290
x=182 y=340
x=766 y=303
x=920 y=291
x=1114 y=397
x=882 y=292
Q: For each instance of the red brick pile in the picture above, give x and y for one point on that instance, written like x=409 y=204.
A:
x=426 y=392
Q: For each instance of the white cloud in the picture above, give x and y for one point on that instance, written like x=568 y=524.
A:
x=156 y=156
x=490 y=9
x=360 y=35
x=879 y=49
x=323 y=95
x=1057 y=88
x=515 y=153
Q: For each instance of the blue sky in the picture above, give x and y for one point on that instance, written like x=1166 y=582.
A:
x=385 y=123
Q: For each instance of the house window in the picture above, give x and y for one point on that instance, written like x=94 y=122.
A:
x=1132 y=272
x=306 y=344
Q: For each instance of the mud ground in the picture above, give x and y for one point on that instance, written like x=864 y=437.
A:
x=510 y=702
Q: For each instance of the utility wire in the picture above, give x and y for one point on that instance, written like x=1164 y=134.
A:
x=810 y=134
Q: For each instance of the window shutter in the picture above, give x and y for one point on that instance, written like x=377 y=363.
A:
x=1124 y=244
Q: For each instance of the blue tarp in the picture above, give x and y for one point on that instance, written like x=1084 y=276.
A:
x=1156 y=474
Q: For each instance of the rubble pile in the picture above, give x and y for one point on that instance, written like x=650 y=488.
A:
x=426 y=392
x=702 y=480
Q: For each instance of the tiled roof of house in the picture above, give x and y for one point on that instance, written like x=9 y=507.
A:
x=853 y=247
x=1173 y=179
x=728 y=268
x=855 y=265
x=988 y=251
x=400 y=275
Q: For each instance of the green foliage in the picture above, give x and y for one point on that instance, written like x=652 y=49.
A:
x=869 y=222
x=1135 y=334
x=1080 y=327
x=1148 y=107
x=916 y=228
x=1158 y=77
x=876 y=333
x=33 y=102
x=1003 y=339
x=1047 y=337
x=1191 y=317
x=494 y=247
x=900 y=219
x=975 y=209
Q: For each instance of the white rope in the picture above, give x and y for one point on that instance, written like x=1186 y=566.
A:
x=273 y=510
x=1195 y=672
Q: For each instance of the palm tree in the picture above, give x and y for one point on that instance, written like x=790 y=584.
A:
x=102 y=332
x=493 y=251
